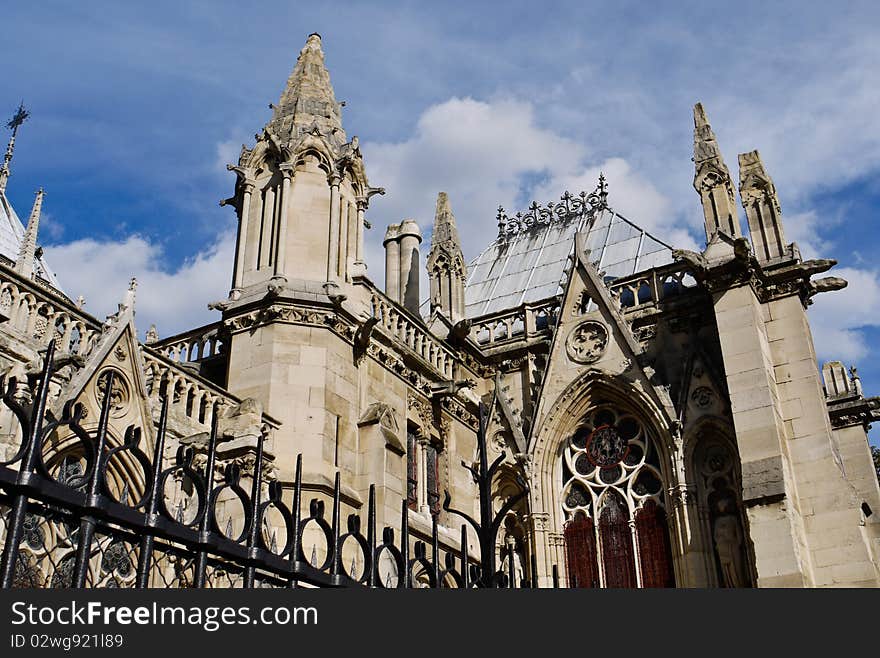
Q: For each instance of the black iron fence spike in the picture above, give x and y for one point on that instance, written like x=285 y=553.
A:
x=371 y=537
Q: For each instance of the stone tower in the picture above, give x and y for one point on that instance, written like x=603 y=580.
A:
x=446 y=267
x=794 y=486
x=301 y=191
x=300 y=196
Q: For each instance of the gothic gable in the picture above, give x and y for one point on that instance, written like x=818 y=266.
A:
x=116 y=351
x=591 y=335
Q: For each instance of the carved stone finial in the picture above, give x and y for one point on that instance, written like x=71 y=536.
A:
x=152 y=335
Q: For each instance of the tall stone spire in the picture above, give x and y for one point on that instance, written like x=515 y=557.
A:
x=20 y=117
x=308 y=99
x=712 y=180
x=25 y=263
x=763 y=212
x=446 y=267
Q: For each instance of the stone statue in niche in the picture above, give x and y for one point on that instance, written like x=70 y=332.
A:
x=727 y=534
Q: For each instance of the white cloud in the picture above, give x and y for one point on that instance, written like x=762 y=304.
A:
x=837 y=317
x=476 y=151
x=486 y=154
x=227 y=153
x=174 y=300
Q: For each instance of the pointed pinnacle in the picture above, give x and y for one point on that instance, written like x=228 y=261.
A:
x=444 y=222
x=308 y=97
x=700 y=116
x=24 y=265
x=705 y=144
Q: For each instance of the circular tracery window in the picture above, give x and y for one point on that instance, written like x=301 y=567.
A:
x=610 y=448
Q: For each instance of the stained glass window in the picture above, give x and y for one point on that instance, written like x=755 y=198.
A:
x=433 y=479
x=613 y=489
x=412 y=469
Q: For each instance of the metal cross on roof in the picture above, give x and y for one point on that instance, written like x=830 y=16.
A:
x=18 y=118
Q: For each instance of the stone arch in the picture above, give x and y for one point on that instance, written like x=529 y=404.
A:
x=713 y=471
x=591 y=389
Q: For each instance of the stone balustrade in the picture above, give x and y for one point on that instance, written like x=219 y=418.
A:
x=38 y=315
x=521 y=323
x=647 y=289
x=195 y=345
x=191 y=396
x=397 y=323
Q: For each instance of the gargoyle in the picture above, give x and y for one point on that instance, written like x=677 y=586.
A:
x=331 y=289
x=276 y=286
x=696 y=261
x=219 y=306
x=451 y=387
x=460 y=331
x=817 y=266
x=827 y=284
x=362 y=338
x=741 y=250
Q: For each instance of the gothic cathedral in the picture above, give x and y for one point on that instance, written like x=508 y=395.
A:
x=656 y=416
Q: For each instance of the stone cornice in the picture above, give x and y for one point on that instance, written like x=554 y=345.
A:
x=853 y=410
x=381 y=348
x=770 y=281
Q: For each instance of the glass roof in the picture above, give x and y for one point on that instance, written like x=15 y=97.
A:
x=528 y=265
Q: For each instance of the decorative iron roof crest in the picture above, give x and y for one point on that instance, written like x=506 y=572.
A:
x=568 y=207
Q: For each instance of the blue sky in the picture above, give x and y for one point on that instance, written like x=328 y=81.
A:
x=136 y=110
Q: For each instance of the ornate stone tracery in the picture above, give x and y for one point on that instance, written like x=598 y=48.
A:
x=613 y=498
x=587 y=342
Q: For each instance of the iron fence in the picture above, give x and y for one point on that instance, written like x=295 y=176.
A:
x=67 y=524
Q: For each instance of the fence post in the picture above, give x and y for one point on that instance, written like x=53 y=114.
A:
x=93 y=494
x=253 y=551
x=205 y=521
x=145 y=556
x=19 y=504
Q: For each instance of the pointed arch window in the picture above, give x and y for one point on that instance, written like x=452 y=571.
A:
x=617 y=533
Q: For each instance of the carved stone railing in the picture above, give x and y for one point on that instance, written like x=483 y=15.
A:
x=37 y=313
x=194 y=345
x=524 y=322
x=646 y=289
x=191 y=396
x=397 y=323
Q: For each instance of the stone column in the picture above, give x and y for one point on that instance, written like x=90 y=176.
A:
x=410 y=237
x=360 y=267
x=343 y=239
x=392 y=262
x=280 y=262
x=333 y=246
x=238 y=278
x=422 y=461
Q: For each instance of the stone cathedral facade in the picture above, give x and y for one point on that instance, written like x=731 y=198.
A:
x=663 y=408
